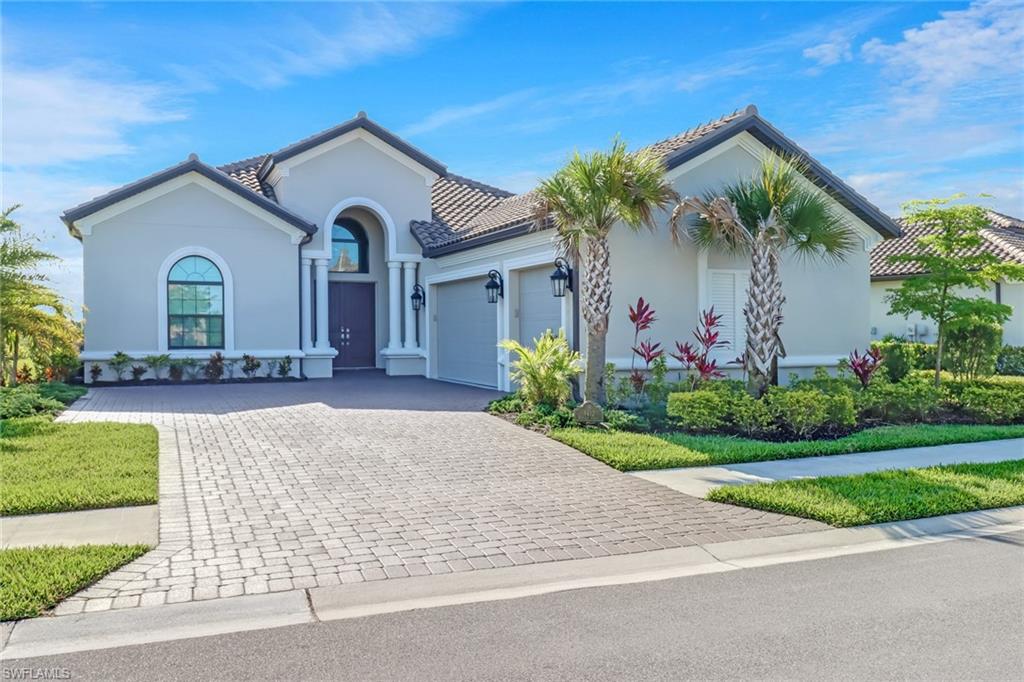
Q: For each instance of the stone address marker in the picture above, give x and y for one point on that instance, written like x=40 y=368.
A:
x=588 y=414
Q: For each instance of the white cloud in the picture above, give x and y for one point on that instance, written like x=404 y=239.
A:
x=838 y=48
x=978 y=50
x=71 y=113
x=270 y=56
x=458 y=114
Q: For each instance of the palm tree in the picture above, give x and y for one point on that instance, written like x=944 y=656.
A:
x=774 y=211
x=584 y=200
x=29 y=309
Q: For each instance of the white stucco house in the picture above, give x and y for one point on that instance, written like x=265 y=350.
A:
x=1004 y=238
x=353 y=249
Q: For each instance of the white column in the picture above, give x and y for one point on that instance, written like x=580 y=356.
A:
x=322 y=342
x=410 y=314
x=394 y=304
x=306 y=311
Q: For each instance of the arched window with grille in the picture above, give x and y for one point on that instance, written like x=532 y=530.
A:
x=349 y=246
x=195 y=304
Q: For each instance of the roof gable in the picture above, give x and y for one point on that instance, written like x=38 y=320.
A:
x=191 y=165
x=360 y=122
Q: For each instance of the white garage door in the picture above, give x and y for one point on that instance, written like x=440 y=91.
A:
x=539 y=310
x=467 y=333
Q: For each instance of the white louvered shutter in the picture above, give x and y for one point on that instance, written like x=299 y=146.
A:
x=726 y=292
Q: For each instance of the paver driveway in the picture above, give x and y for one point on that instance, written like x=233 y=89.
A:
x=272 y=487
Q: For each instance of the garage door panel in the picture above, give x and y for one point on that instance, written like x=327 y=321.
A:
x=467 y=330
x=539 y=310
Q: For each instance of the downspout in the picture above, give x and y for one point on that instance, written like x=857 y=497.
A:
x=298 y=251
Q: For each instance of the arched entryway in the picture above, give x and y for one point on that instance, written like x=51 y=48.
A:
x=363 y=292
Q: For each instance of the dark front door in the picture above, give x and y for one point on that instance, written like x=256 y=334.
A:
x=352 y=324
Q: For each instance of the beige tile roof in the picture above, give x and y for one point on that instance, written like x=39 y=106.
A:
x=517 y=210
x=1004 y=239
x=246 y=172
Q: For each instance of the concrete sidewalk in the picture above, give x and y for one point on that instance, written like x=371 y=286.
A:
x=697 y=481
x=118 y=525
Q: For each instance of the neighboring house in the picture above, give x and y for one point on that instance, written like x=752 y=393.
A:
x=1003 y=238
x=318 y=251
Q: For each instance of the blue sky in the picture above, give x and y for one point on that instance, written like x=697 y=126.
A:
x=903 y=100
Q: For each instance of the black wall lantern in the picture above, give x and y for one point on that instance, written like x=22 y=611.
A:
x=419 y=297
x=495 y=286
x=561 y=278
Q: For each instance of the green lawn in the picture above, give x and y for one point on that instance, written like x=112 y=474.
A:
x=886 y=495
x=34 y=579
x=627 y=451
x=50 y=467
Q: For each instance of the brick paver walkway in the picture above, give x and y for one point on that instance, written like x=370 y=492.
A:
x=272 y=487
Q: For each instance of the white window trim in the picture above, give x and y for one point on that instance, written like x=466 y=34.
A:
x=229 y=297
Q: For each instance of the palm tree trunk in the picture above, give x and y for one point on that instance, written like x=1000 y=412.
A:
x=763 y=314
x=3 y=354
x=14 y=362
x=595 y=301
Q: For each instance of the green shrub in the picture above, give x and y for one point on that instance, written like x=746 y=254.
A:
x=749 y=415
x=898 y=357
x=1010 y=361
x=60 y=391
x=507 y=404
x=214 y=367
x=972 y=348
x=284 y=368
x=545 y=371
x=176 y=369
x=622 y=420
x=120 y=362
x=157 y=363
x=546 y=416
x=913 y=399
x=26 y=400
x=827 y=383
x=699 y=410
x=250 y=365
x=992 y=404
x=800 y=411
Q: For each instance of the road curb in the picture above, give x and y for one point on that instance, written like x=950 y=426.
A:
x=126 y=627
x=86 y=631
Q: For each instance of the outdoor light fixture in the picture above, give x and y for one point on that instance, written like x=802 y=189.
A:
x=419 y=297
x=561 y=278
x=495 y=286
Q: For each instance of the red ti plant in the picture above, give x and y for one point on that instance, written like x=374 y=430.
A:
x=696 y=358
x=642 y=317
x=864 y=366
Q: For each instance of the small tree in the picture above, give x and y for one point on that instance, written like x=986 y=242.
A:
x=952 y=262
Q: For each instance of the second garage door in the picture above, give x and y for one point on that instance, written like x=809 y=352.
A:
x=539 y=310
x=467 y=333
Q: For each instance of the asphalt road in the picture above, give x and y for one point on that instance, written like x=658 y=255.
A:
x=951 y=610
